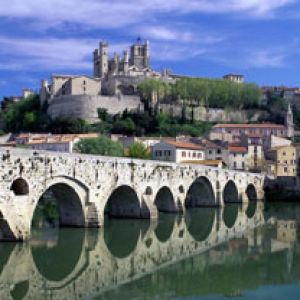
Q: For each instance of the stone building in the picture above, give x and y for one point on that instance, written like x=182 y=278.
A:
x=177 y=151
x=113 y=87
x=285 y=160
x=237 y=78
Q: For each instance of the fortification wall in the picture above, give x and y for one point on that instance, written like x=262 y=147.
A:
x=85 y=106
x=211 y=114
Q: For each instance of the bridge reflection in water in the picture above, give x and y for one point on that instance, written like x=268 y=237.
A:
x=206 y=251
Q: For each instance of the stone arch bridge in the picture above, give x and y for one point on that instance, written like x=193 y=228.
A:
x=87 y=187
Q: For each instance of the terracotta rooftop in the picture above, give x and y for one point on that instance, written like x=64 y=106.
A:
x=210 y=163
x=237 y=149
x=265 y=125
x=185 y=145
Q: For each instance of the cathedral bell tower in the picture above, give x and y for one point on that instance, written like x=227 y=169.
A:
x=289 y=123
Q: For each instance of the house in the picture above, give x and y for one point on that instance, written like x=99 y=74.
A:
x=258 y=129
x=177 y=151
x=49 y=142
x=285 y=160
x=237 y=157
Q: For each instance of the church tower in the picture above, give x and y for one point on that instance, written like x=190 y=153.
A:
x=101 y=60
x=289 y=123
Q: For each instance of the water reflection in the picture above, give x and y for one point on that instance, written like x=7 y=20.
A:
x=165 y=227
x=205 y=252
x=121 y=236
x=199 y=222
x=56 y=252
x=230 y=214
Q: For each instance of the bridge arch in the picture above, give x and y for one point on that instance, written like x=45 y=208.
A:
x=200 y=193
x=251 y=193
x=123 y=202
x=230 y=193
x=69 y=197
x=165 y=201
x=20 y=187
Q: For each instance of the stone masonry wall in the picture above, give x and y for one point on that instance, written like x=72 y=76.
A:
x=85 y=107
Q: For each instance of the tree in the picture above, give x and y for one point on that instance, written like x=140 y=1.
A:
x=138 y=150
x=99 y=146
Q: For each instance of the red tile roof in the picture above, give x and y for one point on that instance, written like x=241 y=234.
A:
x=237 y=149
x=265 y=125
x=185 y=145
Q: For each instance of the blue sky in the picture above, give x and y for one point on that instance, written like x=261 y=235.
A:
x=258 y=38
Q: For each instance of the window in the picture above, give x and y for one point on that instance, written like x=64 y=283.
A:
x=167 y=153
x=210 y=151
x=219 y=151
x=284 y=154
x=194 y=155
x=183 y=154
x=234 y=165
x=243 y=165
x=285 y=170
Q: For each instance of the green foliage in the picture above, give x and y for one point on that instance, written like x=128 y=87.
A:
x=276 y=109
x=69 y=125
x=151 y=86
x=138 y=150
x=100 y=146
x=202 y=91
x=161 y=124
x=25 y=115
x=28 y=115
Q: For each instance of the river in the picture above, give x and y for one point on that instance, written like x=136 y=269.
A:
x=238 y=252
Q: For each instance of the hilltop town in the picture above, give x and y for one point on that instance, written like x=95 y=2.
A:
x=223 y=122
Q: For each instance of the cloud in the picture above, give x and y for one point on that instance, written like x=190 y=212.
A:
x=119 y=13
x=45 y=53
x=266 y=58
x=167 y=34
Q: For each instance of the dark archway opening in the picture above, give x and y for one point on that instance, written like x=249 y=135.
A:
x=123 y=203
x=121 y=236
x=20 y=187
x=230 y=193
x=56 y=253
x=165 y=227
x=200 y=194
x=59 y=206
x=200 y=223
x=251 y=193
x=164 y=201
